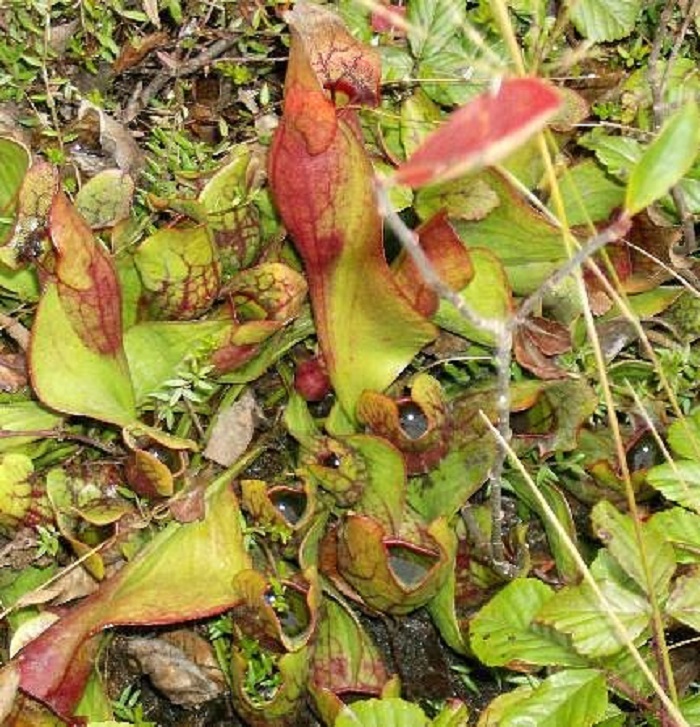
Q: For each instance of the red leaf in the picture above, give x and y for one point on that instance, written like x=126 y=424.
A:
x=482 y=132
x=449 y=258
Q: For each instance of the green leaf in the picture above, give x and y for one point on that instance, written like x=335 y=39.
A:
x=156 y=349
x=419 y=116
x=502 y=633
x=454 y=714
x=684 y=602
x=666 y=160
x=433 y=24
x=681 y=528
x=69 y=376
x=618 y=154
x=576 y=698
x=508 y=231
x=14 y=162
x=464 y=199
x=618 y=533
x=391 y=712
x=589 y=194
x=576 y=612
x=678 y=482
x=684 y=436
x=24 y=416
x=488 y=296
x=106 y=198
x=558 y=503
x=605 y=20
x=456 y=478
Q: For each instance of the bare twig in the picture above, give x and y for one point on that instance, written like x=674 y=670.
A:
x=502 y=331
x=206 y=57
x=60 y=435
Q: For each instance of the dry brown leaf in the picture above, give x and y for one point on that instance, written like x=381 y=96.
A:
x=115 y=139
x=75 y=583
x=181 y=666
x=233 y=431
x=136 y=49
x=9 y=684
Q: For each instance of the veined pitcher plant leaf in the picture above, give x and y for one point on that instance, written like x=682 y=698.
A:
x=395 y=574
x=156 y=349
x=179 y=269
x=106 y=199
x=184 y=573
x=77 y=359
x=70 y=377
x=345 y=663
x=323 y=185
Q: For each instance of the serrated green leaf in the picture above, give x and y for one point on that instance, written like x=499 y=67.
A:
x=589 y=194
x=684 y=602
x=618 y=154
x=666 y=160
x=433 y=24
x=502 y=634
x=605 y=20
x=681 y=528
x=678 y=482
x=684 y=436
x=576 y=698
x=392 y=712
x=618 y=533
x=576 y=611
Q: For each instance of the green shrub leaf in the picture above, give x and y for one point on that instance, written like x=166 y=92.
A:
x=502 y=633
x=605 y=20
x=666 y=160
x=576 y=697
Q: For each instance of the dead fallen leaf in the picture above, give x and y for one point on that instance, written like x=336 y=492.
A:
x=136 y=49
x=74 y=584
x=189 y=506
x=9 y=684
x=115 y=139
x=535 y=344
x=181 y=666
x=13 y=372
x=61 y=35
x=233 y=431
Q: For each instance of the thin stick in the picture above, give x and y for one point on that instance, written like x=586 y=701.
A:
x=606 y=607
